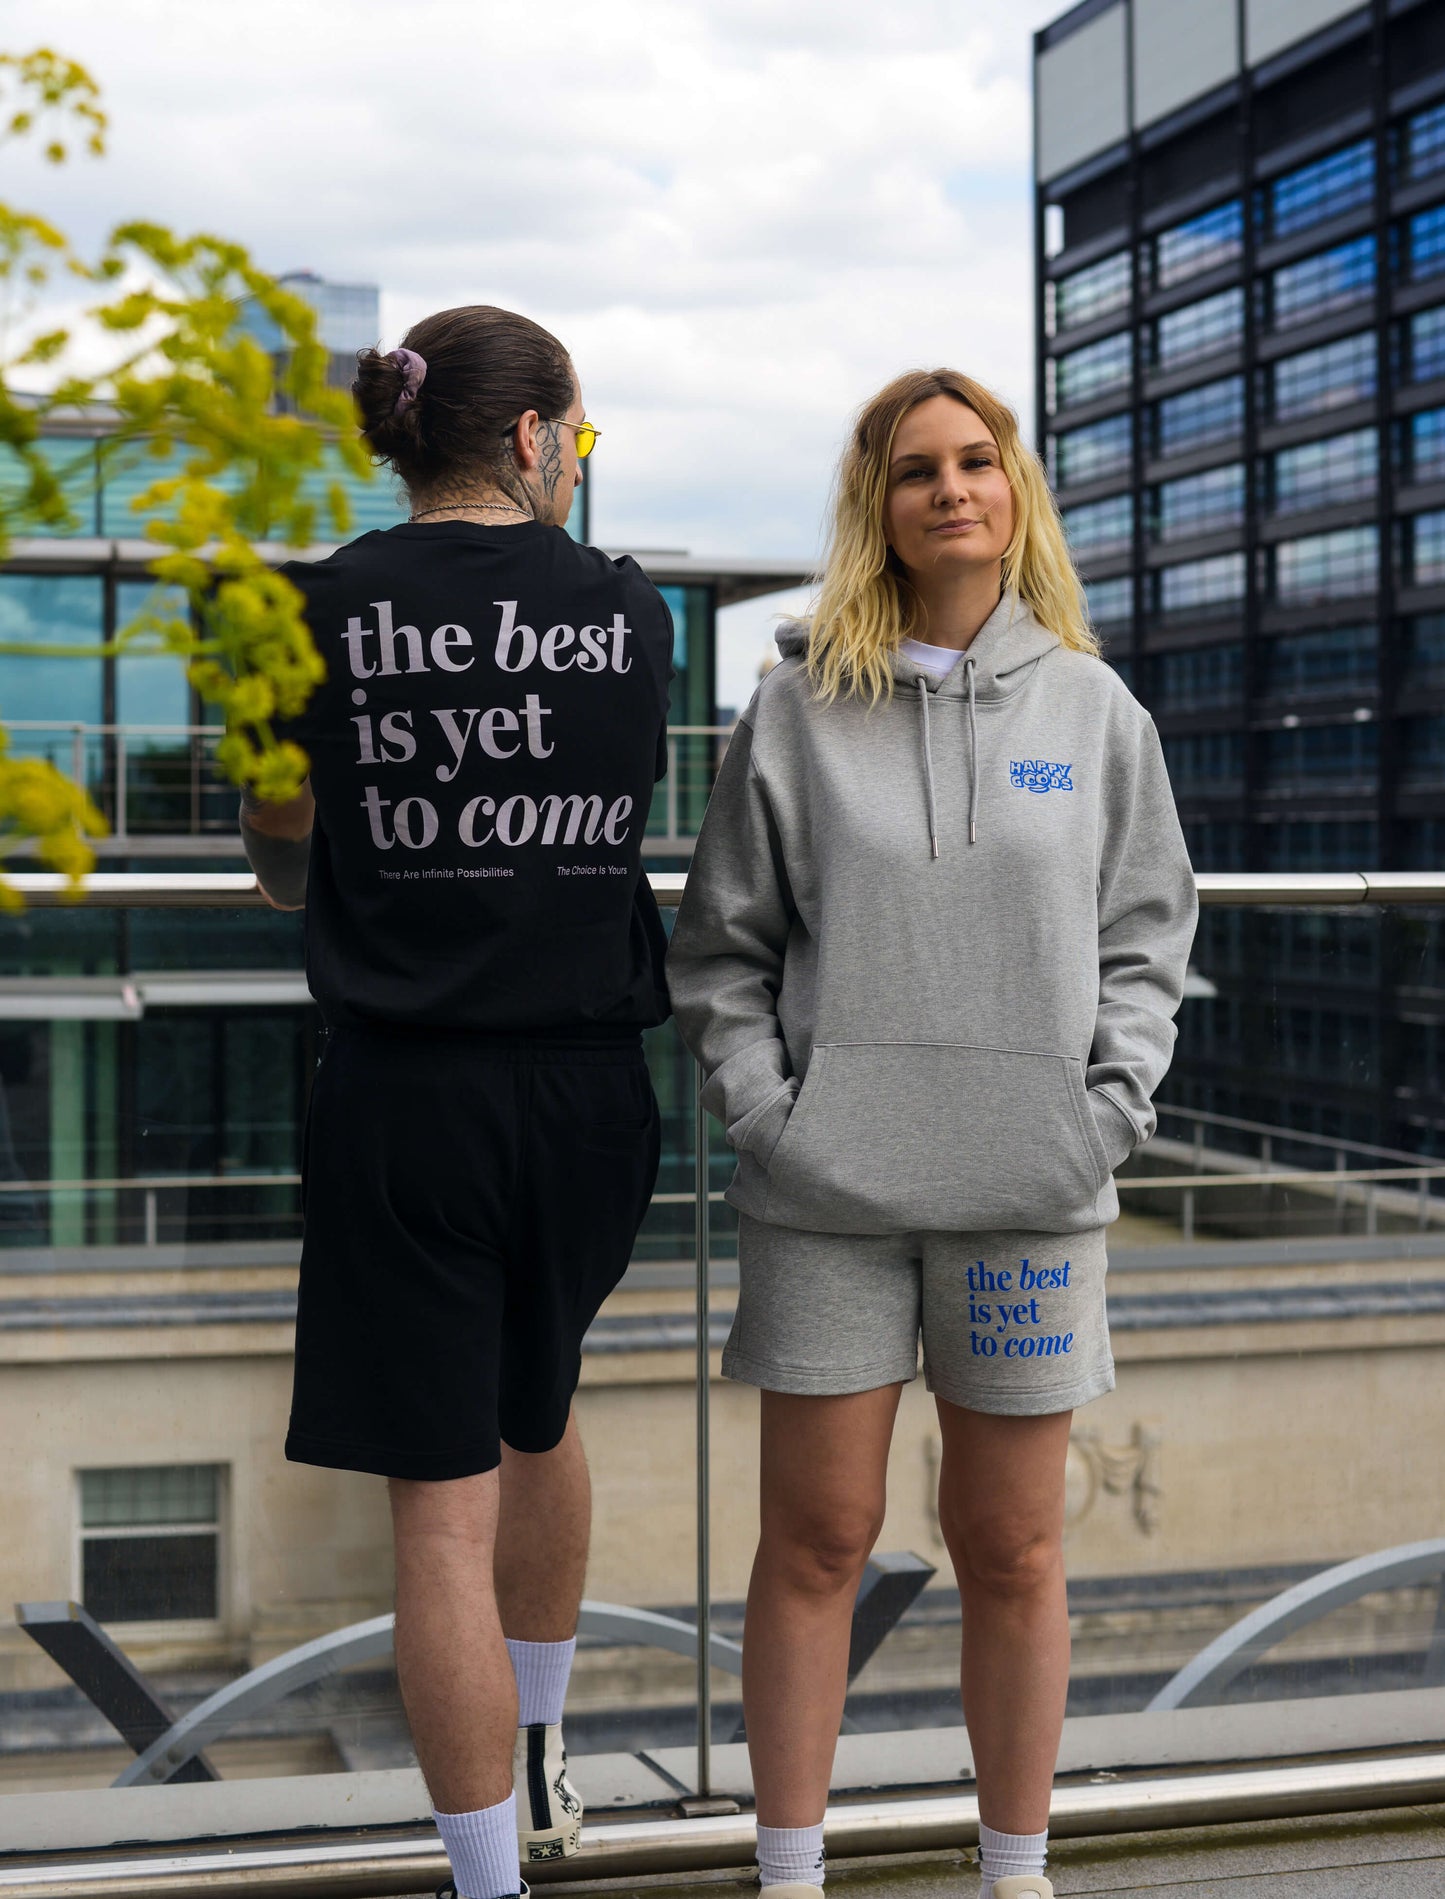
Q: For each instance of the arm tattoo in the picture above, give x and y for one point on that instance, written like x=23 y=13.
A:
x=550 y=465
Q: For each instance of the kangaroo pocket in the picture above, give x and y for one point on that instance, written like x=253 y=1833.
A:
x=891 y=1136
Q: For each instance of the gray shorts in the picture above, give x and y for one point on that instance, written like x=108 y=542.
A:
x=1012 y=1323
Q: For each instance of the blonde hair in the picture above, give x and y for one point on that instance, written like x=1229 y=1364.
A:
x=864 y=607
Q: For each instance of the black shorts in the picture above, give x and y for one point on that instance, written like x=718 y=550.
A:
x=469 y=1204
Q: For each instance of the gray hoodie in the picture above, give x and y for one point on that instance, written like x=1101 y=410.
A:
x=930 y=952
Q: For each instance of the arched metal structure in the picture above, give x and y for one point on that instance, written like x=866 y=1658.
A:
x=372 y=1642
x=1203 y=1680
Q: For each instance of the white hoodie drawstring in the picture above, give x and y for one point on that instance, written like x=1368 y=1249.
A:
x=969 y=670
x=928 y=769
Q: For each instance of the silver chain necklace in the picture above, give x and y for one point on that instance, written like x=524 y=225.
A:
x=473 y=507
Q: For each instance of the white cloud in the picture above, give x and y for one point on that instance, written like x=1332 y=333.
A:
x=741 y=216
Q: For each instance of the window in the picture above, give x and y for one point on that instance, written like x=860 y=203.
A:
x=1321 y=474
x=1125 y=669
x=1200 y=588
x=1330 y=280
x=1214 y=844
x=1426 y=445
x=1322 y=566
x=1427 y=344
x=1424 y=751
x=1205 y=764
x=1341 y=757
x=1199 y=504
x=1424 y=151
x=150 y=1543
x=1324 y=378
x=1194 y=681
x=1085 y=374
x=1321 y=844
x=66 y=610
x=1214 y=412
x=1204 y=243
x=1097 y=449
x=1425 y=244
x=1330 y=660
x=1199 y=329
x=1427 y=549
x=1101 y=527
x=1094 y=292
x=1325 y=189
x=1423 y=650
x=72 y=462
x=1110 y=602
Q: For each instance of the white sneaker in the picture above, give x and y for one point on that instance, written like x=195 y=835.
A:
x=549 y=1808
x=1023 y=1886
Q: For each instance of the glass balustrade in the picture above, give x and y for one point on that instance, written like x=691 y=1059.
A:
x=1277 y=1304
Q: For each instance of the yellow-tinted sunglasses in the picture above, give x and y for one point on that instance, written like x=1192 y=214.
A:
x=586 y=438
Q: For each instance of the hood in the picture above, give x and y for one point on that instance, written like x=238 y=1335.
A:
x=997 y=662
x=1004 y=651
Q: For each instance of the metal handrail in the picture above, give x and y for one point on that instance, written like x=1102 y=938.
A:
x=206 y=889
x=365 y=1866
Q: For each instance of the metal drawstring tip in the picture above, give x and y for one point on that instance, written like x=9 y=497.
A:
x=972 y=832
x=934 y=842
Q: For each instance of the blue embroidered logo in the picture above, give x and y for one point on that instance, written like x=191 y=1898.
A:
x=1037 y=774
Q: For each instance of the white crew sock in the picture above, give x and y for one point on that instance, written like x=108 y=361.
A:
x=1000 y=1854
x=482 y=1847
x=542 y=1670
x=790 y=1855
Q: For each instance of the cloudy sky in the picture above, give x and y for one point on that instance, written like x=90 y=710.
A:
x=741 y=216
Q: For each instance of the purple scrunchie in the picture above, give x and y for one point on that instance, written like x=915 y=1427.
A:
x=413 y=371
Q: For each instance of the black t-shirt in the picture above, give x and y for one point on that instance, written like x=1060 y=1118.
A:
x=483 y=753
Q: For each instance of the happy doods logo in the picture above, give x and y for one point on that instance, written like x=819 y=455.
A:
x=1037 y=774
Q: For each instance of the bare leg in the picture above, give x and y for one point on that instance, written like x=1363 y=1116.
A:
x=824 y=1476
x=1001 y=1506
x=451 y=1661
x=541 y=1557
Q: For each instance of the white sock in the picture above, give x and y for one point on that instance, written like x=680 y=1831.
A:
x=790 y=1855
x=542 y=1670
x=482 y=1847
x=1000 y=1854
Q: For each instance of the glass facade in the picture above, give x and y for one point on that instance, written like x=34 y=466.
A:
x=1086 y=295
x=1092 y=452
x=1425 y=243
x=1303 y=844
x=1423 y=650
x=1427 y=549
x=1200 y=329
x=1321 y=567
x=1424 y=144
x=1207 y=242
x=1086 y=374
x=1197 y=680
x=1200 y=588
x=1110 y=602
x=1323 y=663
x=1204 y=764
x=1308 y=755
x=1100 y=527
x=1322 y=474
x=1322 y=190
x=1425 y=445
x=1423 y=764
x=1330 y=377
x=1208 y=503
x=1330 y=280
x=1197 y=418
x=1427 y=345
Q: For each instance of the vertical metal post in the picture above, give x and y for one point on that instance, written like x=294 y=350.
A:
x=1372 y=1221
x=1188 y=1221
x=704 y=1472
x=152 y=1225
x=671 y=786
x=122 y=789
x=77 y=755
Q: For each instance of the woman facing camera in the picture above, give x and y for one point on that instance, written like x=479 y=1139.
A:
x=933 y=941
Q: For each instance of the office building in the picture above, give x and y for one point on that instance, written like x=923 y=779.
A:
x=1240 y=249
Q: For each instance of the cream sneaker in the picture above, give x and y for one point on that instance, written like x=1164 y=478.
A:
x=549 y=1808
x=1023 y=1886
